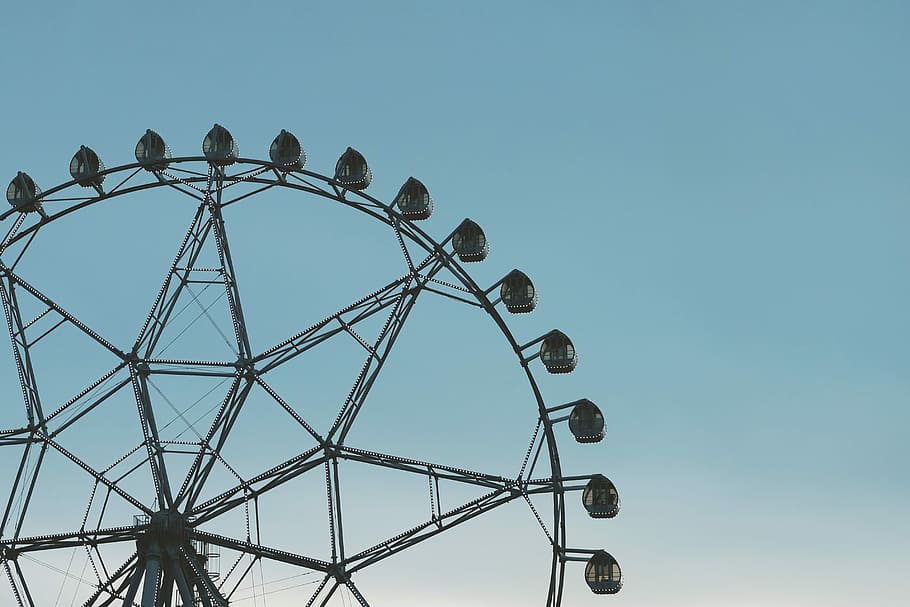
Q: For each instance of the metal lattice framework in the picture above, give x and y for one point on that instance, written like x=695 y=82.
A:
x=167 y=556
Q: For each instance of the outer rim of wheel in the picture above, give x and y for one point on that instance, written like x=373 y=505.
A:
x=388 y=215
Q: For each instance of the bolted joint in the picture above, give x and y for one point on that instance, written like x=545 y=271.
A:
x=338 y=572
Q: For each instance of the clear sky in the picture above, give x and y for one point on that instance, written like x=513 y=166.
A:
x=711 y=197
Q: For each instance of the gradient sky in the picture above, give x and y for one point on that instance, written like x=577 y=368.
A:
x=712 y=199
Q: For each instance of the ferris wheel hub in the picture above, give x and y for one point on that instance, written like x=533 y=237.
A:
x=167 y=529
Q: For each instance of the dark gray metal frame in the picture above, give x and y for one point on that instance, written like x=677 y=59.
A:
x=165 y=561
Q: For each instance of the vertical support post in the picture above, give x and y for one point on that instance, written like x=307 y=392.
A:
x=152 y=575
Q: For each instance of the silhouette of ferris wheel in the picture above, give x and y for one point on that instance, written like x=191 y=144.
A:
x=172 y=516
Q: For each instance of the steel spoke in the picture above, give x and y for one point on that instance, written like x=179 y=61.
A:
x=350 y=584
x=11 y=233
x=208 y=592
x=319 y=588
x=26 y=494
x=227 y=269
x=126 y=571
x=95 y=474
x=63 y=313
x=82 y=394
x=266 y=481
x=175 y=282
x=21 y=356
x=430 y=528
x=331 y=325
x=224 y=421
x=151 y=440
x=56 y=541
x=12 y=581
x=262 y=551
x=436 y=471
x=379 y=353
x=290 y=410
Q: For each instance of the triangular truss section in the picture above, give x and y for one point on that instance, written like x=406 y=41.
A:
x=370 y=326
x=46 y=339
x=437 y=497
x=197 y=315
x=259 y=444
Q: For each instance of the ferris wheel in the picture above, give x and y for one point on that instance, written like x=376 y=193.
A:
x=183 y=500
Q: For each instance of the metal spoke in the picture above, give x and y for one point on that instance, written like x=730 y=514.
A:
x=27 y=381
x=66 y=316
x=208 y=592
x=331 y=325
x=350 y=584
x=266 y=481
x=436 y=471
x=290 y=410
x=12 y=581
x=26 y=493
x=430 y=528
x=262 y=551
x=180 y=579
x=175 y=282
x=11 y=233
x=227 y=266
x=333 y=499
x=126 y=572
x=379 y=353
x=82 y=394
x=95 y=474
x=329 y=594
x=224 y=421
x=81 y=537
x=151 y=440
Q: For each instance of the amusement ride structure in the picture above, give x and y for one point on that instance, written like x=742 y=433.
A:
x=171 y=518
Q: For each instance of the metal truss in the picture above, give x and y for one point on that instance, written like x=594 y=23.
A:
x=164 y=559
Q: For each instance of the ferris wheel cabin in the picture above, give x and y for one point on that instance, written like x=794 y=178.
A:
x=23 y=194
x=600 y=497
x=286 y=152
x=517 y=293
x=220 y=147
x=586 y=422
x=603 y=574
x=151 y=152
x=414 y=200
x=352 y=171
x=85 y=168
x=557 y=353
x=470 y=242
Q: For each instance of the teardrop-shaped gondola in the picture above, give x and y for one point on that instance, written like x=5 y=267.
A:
x=85 y=168
x=603 y=574
x=469 y=242
x=22 y=193
x=414 y=200
x=219 y=146
x=600 y=497
x=286 y=152
x=558 y=353
x=517 y=293
x=586 y=422
x=152 y=152
x=352 y=170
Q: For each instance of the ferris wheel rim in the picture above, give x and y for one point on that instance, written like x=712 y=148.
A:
x=414 y=233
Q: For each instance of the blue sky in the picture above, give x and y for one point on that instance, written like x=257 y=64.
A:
x=711 y=197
